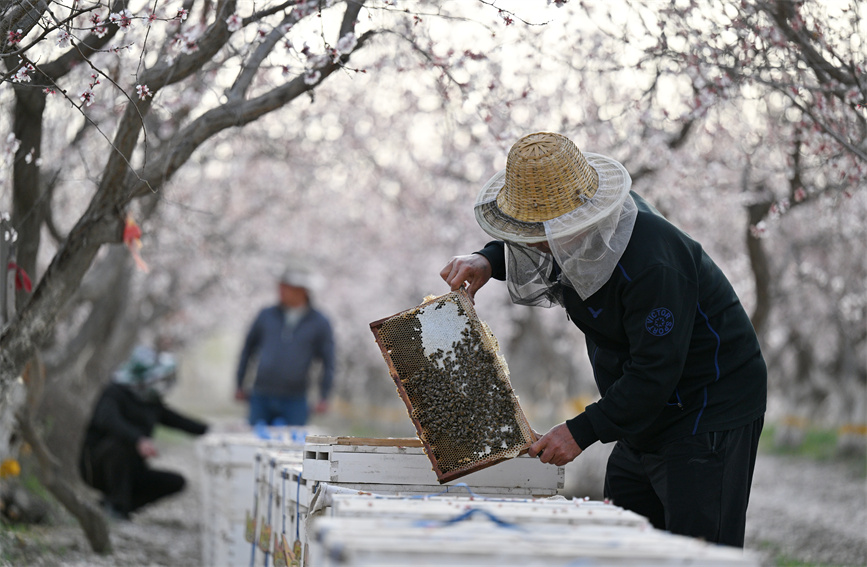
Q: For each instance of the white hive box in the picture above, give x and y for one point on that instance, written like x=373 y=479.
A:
x=227 y=462
x=555 y=510
x=380 y=542
x=401 y=466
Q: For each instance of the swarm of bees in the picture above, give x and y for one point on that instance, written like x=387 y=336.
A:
x=455 y=386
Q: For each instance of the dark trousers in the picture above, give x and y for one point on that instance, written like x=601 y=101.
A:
x=117 y=470
x=697 y=486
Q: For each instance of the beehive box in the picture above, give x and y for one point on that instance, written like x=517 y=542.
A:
x=400 y=465
x=449 y=373
x=381 y=542
x=227 y=462
x=554 y=510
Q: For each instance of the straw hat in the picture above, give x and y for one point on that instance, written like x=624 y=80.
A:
x=549 y=182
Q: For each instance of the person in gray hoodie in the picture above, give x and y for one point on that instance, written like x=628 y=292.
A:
x=284 y=342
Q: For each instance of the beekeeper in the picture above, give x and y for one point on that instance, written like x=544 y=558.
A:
x=119 y=439
x=677 y=362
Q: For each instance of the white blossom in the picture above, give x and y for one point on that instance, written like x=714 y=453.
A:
x=234 y=22
x=143 y=92
x=347 y=43
x=63 y=39
x=312 y=77
x=122 y=19
x=87 y=97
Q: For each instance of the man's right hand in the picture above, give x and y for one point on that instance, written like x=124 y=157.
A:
x=474 y=269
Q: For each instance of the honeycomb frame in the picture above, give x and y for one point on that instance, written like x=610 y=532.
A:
x=446 y=366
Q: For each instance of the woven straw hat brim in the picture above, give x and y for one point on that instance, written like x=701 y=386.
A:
x=614 y=186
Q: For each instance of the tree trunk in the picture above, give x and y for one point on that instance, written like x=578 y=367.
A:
x=760 y=268
x=57 y=477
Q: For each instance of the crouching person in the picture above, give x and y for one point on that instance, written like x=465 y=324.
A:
x=118 y=440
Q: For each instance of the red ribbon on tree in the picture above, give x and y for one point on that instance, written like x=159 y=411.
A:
x=22 y=280
x=132 y=239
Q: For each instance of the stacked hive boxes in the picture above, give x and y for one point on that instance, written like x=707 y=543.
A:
x=352 y=502
x=400 y=468
x=229 y=491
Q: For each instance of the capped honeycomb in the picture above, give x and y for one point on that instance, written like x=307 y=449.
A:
x=455 y=384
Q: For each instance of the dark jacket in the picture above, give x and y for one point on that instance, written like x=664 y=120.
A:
x=121 y=414
x=286 y=354
x=672 y=349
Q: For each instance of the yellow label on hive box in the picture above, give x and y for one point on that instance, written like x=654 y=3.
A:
x=279 y=554
x=250 y=531
x=265 y=537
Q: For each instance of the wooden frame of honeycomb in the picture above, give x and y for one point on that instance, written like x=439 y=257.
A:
x=447 y=369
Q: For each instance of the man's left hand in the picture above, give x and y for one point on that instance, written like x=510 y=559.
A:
x=557 y=447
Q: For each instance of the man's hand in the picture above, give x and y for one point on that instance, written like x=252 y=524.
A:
x=557 y=447
x=474 y=269
x=146 y=448
x=321 y=406
x=240 y=395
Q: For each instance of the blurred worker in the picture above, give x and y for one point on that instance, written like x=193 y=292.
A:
x=119 y=440
x=285 y=340
x=677 y=362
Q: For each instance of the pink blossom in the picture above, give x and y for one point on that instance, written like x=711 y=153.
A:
x=759 y=230
x=185 y=42
x=312 y=77
x=123 y=19
x=100 y=31
x=143 y=92
x=15 y=36
x=183 y=14
x=23 y=73
x=87 y=97
x=49 y=91
x=63 y=39
x=800 y=194
x=234 y=22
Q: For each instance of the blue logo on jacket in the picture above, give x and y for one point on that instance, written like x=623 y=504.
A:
x=659 y=322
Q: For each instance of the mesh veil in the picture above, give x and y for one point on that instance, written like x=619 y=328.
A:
x=586 y=260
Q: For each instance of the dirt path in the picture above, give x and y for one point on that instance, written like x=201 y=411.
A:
x=809 y=511
x=815 y=513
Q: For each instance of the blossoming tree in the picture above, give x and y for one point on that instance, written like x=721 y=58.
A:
x=135 y=89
